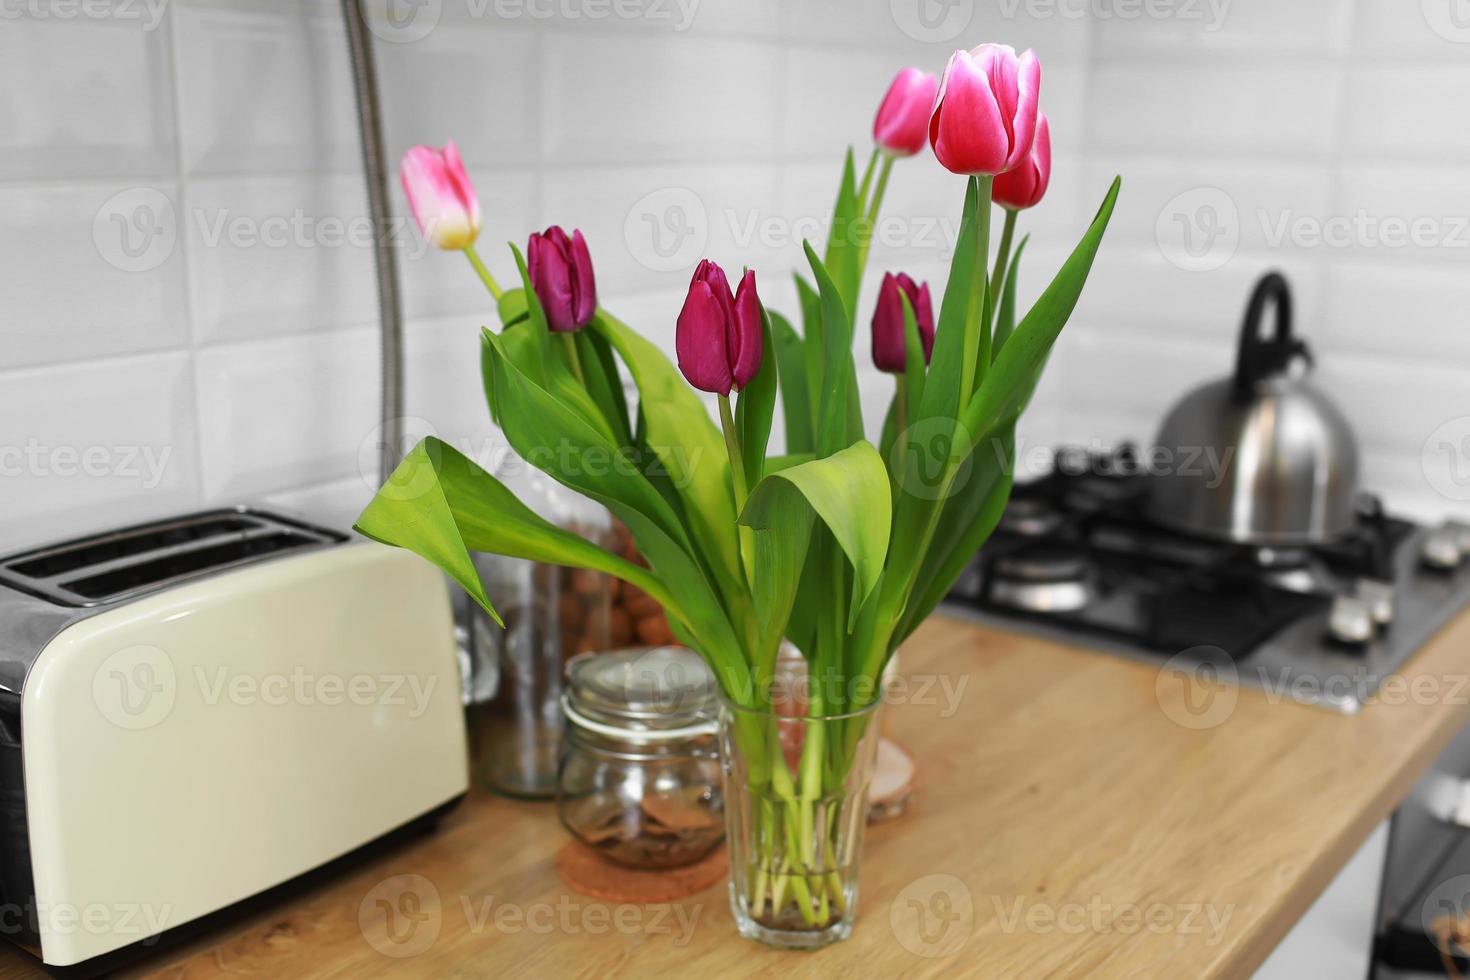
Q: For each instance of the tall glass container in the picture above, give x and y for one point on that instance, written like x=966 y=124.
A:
x=514 y=677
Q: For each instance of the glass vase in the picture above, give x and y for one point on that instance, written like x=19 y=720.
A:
x=796 y=802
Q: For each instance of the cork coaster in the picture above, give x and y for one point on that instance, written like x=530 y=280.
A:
x=586 y=871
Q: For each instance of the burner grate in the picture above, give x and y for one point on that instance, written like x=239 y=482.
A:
x=1155 y=587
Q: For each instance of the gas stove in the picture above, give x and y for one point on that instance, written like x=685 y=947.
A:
x=1075 y=556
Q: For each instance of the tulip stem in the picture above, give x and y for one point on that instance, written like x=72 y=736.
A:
x=742 y=491
x=570 y=340
x=878 y=191
x=868 y=175
x=484 y=273
x=977 y=329
x=1003 y=256
x=870 y=220
x=901 y=419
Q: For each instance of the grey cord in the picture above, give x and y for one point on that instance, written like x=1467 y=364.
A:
x=385 y=259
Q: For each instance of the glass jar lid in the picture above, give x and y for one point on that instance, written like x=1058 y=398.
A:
x=649 y=693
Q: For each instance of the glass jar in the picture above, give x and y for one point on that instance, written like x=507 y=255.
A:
x=513 y=678
x=640 y=778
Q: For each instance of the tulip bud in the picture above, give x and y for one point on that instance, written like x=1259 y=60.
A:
x=561 y=275
x=719 y=339
x=889 y=348
x=441 y=196
x=984 y=117
x=902 y=124
x=1025 y=186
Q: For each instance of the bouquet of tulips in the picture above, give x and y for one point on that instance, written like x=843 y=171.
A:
x=840 y=546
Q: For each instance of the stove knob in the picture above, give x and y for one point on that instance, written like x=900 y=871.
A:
x=1461 y=533
x=1378 y=597
x=1441 y=550
x=1350 y=622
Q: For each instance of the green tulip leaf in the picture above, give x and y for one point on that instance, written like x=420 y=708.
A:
x=678 y=430
x=966 y=522
x=848 y=491
x=512 y=307
x=942 y=387
x=603 y=382
x=1005 y=321
x=913 y=354
x=789 y=352
x=837 y=391
x=1018 y=366
x=755 y=407
x=536 y=423
x=913 y=375
x=844 y=255
x=529 y=345
x=441 y=506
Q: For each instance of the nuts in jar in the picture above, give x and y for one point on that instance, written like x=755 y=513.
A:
x=640 y=776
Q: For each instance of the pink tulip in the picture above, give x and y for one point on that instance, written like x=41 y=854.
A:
x=441 y=196
x=984 y=117
x=902 y=124
x=889 y=349
x=718 y=338
x=1025 y=186
x=561 y=275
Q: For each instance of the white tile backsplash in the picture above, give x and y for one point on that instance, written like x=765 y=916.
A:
x=1417 y=312
x=266 y=87
x=1416 y=210
x=85 y=90
x=648 y=226
x=1249 y=28
x=278 y=255
x=443 y=386
x=468 y=84
x=88 y=445
x=701 y=99
x=1372 y=389
x=91 y=270
x=1404 y=113
x=1398 y=32
x=1196 y=107
x=834 y=110
x=670 y=19
x=1179 y=303
x=126 y=141
x=289 y=412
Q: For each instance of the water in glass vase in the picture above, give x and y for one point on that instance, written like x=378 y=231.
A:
x=796 y=800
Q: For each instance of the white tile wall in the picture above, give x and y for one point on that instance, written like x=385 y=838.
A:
x=85 y=97
x=180 y=192
x=1320 y=138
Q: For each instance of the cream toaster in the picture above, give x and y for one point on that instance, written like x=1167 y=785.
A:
x=196 y=711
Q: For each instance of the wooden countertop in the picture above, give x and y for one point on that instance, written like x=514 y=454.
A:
x=1066 y=823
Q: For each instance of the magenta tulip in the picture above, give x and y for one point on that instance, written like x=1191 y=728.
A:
x=902 y=124
x=561 y=275
x=984 y=117
x=718 y=338
x=889 y=349
x=441 y=196
x=1026 y=185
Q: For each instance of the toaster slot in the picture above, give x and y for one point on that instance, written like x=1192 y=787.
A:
x=182 y=564
x=124 y=564
x=63 y=561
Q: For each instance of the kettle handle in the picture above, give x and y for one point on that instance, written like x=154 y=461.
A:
x=1262 y=357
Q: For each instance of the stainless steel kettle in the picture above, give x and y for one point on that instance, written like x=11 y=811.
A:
x=1262 y=457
